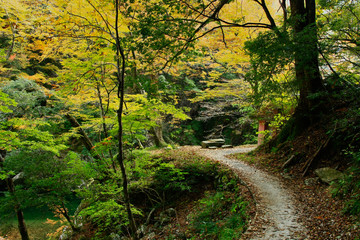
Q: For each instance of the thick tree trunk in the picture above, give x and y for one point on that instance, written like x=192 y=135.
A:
x=310 y=107
x=306 y=59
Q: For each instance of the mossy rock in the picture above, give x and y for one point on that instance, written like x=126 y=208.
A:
x=328 y=175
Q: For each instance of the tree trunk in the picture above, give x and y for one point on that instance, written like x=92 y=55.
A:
x=84 y=137
x=19 y=214
x=306 y=59
x=63 y=210
x=310 y=107
x=158 y=134
x=120 y=74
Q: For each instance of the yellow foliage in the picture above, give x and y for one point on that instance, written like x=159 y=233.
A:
x=50 y=221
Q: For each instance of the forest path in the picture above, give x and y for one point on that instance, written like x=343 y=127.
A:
x=276 y=214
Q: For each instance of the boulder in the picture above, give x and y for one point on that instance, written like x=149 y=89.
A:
x=213 y=143
x=328 y=175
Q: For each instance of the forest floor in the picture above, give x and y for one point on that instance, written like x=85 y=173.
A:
x=287 y=208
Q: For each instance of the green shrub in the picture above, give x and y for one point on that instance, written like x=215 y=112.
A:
x=349 y=187
x=109 y=216
x=352 y=186
x=220 y=215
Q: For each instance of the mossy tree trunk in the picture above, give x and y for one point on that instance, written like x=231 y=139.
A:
x=157 y=132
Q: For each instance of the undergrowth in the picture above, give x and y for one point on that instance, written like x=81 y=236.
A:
x=159 y=184
x=222 y=213
x=164 y=183
x=349 y=138
x=219 y=215
x=349 y=187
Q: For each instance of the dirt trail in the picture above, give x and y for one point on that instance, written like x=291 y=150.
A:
x=277 y=216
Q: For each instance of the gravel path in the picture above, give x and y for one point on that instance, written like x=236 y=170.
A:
x=276 y=214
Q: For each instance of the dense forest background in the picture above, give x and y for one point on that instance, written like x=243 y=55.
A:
x=88 y=87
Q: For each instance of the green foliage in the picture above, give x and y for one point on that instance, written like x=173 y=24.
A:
x=169 y=177
x=154 y=178
x=28 y=95
x=175 y=171
x=158 y=32
x=28 y=129
x=185 y=134
x=220 y=215
x=270 y=53
x=196 y=167
x=190 y=85
x=248 y=125
x=46 y=179
x=275 y=126
x=349 y=187
x=338 y=23
x=6 y=102
x=143 y=114
x=108 y=216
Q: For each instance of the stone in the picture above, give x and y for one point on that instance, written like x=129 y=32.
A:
x=227 y=146
x=213 y=143
x=311 y=181
x=171 y=212
x=328 y=175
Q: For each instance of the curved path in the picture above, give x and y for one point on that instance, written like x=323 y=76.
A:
x=276 y=215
